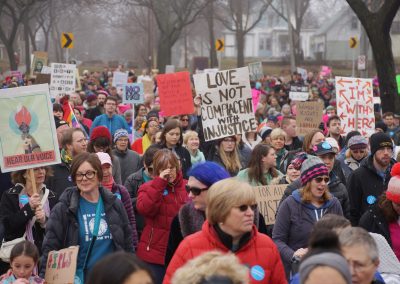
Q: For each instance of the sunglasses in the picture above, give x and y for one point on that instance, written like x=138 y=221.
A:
x=243 y=208
x=320 y=179
x=195 y=190
x=184 y=119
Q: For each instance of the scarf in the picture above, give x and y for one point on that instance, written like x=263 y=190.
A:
x=9 y=278
x=108 y=182
x=146 y=142
x=65 y=157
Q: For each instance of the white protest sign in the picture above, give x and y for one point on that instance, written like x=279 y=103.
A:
x=28 y=137
x=210 y=70
x=119 y=80
x=62 y=80
x=302 y=72
x=355 y=102
x=256 y=71
x=46 y=70
x=169 y=69
x=133 y=93
x=299 y=93
x=227 y=107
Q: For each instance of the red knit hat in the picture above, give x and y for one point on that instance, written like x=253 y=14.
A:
x=393 y=190
x=100 y=131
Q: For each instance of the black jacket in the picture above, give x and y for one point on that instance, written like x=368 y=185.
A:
x=60 y=180
x=296 y=144
x=365 y=185
x=15 y=218
x=62 y=228
x=374 y=222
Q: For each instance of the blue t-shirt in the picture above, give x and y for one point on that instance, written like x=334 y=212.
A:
x=103 y=244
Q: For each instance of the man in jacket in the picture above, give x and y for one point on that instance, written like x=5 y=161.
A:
x=370 y=180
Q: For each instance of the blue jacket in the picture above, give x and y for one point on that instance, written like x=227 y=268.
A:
x=113 y=124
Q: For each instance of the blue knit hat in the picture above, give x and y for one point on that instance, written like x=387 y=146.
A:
x=120 y=133
x=208 y=173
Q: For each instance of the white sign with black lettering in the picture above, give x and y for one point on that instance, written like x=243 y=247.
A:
x=62 y=80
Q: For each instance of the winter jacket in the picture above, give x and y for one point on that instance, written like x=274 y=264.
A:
x=294 y=223
x=15 y=218
x=365 y=186
x=158 y=202
x=374 y=221
x=129 y=162
x=60 y=180
x=349 y=165
x=256 y=251
x=244 y=176
x=62 y=228
x=296 y=144
x=113 y=124
x=123 y=195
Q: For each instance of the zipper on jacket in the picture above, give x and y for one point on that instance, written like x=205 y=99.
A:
x=151 y=238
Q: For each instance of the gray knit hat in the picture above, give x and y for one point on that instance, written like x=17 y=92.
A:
x=329 y=259
x=120 y=133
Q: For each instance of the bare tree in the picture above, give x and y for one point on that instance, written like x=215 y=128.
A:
x=377 y=20
x=171 y=18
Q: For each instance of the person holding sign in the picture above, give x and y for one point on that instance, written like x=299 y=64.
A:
x=230 y=228
x=299 y=212
x=25 y=207
x=87 y=205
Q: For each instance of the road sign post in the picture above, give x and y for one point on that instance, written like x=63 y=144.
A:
x=67 y=42
x=220 y=44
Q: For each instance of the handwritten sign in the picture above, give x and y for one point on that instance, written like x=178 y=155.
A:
x=175 y=93
x=148 y=86
x=62 y=79
x=309 y=116
x=61 y=266
x=302 y=72
x=28 y=136
x=299 y=93
x=256 y=71
x=354 y=98
x=227 y=107
x=268 y=198
x=133 y=93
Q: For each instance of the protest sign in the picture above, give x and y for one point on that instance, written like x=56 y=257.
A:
x=78 y=85
x=309 y=116
x=256 y=71
x=355 y=105
x=46 y=70
x=119 y=78
x=209 y=70
x=268 y=198
x=175 y=93
x=299 y=93
x=62 y=79
x=39 y=60
x=169 y=69
x=28 y=136
x=326 y=71
x=17 y=74
x=302 y=72
x=398 y=84
x=61 y=266
x=227 y=107
x=133 y=93
x=148 y=86
x=42 y=79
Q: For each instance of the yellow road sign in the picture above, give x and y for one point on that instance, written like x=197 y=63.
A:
x=353 y=42
x=219 y=44
x=67 y=40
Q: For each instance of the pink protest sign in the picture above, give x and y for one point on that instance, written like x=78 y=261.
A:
x=355 y=103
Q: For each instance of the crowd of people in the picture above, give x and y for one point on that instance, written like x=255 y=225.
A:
x=148 y=200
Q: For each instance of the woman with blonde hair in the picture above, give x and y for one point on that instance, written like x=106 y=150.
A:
x=230 y=228
x=278 y=138
x=192 y=143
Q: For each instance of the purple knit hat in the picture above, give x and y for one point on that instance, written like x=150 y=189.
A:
x=312 y=167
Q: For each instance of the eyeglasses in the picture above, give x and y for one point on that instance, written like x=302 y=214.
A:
x=243 y=208
x=320 y=179
x=358 y=266
x=195 y=190
x=88 y=175
x=154 y=126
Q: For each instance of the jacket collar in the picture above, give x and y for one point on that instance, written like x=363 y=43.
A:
x=108 y=199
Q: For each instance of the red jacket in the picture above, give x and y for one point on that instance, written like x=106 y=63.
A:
x=259 y=254
x=158 y=203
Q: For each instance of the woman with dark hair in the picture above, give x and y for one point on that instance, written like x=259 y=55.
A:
x=383 y=218
x=100 y=141
x=140 y=110
x=172 y=139
x=120 y=268
x=158 y=201
x=87 y=205
x=262 y=167
x=58 y=111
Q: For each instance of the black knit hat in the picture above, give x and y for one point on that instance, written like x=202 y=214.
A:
x=379 y=140
x=381 y=125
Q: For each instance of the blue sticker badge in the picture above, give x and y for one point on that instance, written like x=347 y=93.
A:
x=371 y=199
x=118 y=195
x=257 y=272
x=23 y=199
x=69 y=179
x=165 y=192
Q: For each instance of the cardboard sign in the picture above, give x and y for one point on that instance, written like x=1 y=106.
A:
x=148 y=86
x=133 y=93
x=299 y=93
x=175 y=93
x=309 y=116
x=227 y=107
x=302 y=72
x=28 y=137
x=119 y=78
x=361 y=62
x=256 y=71
x=61 y=266
x=355 y=105
x=62 y=79
x=78 y=85
x=169 y=69
x=39 y=60
x=268 y=198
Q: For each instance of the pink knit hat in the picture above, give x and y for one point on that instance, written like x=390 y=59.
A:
x=393 y=190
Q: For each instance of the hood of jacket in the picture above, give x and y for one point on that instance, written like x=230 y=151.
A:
x=315 y=213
